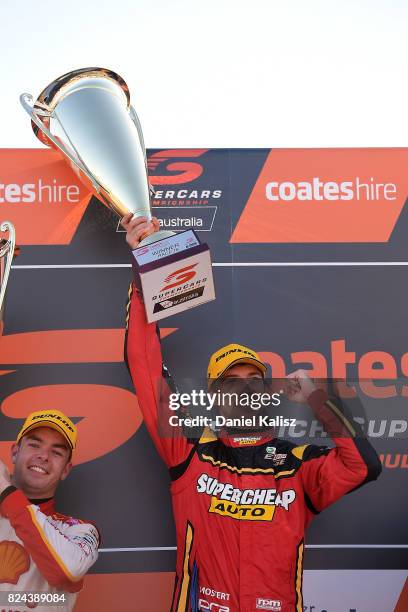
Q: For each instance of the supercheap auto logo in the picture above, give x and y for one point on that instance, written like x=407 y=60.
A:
x=325 y=195
x=246 y=505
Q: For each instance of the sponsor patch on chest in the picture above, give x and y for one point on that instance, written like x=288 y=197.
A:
x=243 y=504
x=276 y=458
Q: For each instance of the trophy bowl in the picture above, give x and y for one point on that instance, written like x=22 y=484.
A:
x=86 y=115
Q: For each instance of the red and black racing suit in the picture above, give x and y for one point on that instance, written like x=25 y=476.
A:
x=240 y=517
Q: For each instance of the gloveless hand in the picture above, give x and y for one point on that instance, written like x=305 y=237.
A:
x=299 y=386
x=138 y=228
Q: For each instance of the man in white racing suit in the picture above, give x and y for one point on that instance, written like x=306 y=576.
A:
x=44 y=555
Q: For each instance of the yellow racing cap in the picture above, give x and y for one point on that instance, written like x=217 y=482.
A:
x=230 y=355
x=54 y=419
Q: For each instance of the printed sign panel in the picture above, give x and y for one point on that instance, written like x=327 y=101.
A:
x=309 y=256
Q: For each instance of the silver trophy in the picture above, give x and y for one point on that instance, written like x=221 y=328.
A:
x=6 y=256
x=86 y=114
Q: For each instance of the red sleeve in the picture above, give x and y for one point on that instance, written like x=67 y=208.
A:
x=64 y=553
x=328 y=474
x=152 y=383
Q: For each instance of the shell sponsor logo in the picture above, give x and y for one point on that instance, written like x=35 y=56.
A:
x=14 y=561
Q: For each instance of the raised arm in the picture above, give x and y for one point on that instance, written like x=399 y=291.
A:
x=150 y=378
x=330 y=473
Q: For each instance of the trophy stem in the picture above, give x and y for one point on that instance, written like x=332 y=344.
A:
x=160 y=235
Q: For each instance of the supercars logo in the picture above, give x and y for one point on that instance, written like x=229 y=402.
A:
x=186 y=171
x=179 y=277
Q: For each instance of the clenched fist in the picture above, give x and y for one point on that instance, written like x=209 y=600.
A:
x=138 y=228
x=299 y=386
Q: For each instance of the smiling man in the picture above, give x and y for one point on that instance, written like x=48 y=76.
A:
x=242 y=497
x=41 y=550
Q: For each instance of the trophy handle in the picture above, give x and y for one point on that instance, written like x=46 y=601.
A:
x=27 y=102
x=8 y=251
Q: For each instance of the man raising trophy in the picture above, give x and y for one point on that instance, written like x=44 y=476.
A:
x=242 y=500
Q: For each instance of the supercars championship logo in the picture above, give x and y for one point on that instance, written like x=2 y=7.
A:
x=176 y=173
x=186 y=195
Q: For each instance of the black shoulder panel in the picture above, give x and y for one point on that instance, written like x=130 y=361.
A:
x=178 y=470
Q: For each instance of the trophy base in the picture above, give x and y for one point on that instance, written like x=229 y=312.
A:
x=173 y=274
